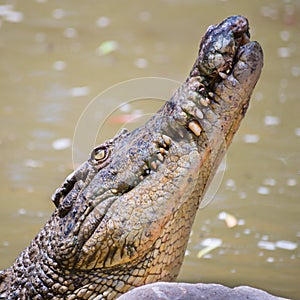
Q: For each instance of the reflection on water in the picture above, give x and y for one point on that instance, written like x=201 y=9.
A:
x=56 y=57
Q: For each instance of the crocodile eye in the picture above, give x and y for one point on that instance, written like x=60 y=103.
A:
x=100 y=154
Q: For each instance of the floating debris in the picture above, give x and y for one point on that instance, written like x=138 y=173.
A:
x=291 y=182
x=229 y=219
x=22 y=211
x=33 y=163
x=79 y=91
x=5 y=243
x=230 y=185
x=103 y=22
x=271 y=120
x=269 y=181
x=263 y=190
x=284 y=35
x=59 y=65
x=284 y=52
x=9 y=15
x=241 y=222
x=141 y=63
x=210 y=244
x=247 y=231
x=251 y=138
x=5 y=9
x=286 y=245
x=61 y=144
x=58 y=13
x=297 y=131
x=266 y=245
x=295 y=71
x=107 y=47
x=14 y=17
x=70 y=32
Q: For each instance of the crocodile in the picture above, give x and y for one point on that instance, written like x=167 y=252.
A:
x=123 y=218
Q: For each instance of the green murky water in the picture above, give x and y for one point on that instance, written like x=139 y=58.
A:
x=56 y=57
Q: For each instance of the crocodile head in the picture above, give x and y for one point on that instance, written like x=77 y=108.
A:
x=123 y=218
x=122 y=198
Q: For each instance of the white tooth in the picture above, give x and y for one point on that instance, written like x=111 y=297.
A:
x=163 y=151
x=166 y=139
x=199 y=114
x=204 y=101
x=195 y=127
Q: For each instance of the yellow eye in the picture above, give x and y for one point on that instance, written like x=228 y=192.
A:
x=100 y=154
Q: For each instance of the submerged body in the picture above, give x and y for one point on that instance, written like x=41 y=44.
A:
x=123 y=218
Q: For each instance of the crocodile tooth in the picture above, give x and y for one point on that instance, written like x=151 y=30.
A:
x=141 y=177
x=153 y=165
x=204 y=101
x=211 y=94
x=199 y=114
x=166 y=139
x=160 y=157
x=163 y=151
x=195 y=127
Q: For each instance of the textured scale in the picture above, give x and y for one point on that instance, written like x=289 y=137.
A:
x=124 y=217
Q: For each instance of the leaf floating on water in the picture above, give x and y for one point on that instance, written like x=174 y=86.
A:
x=206 y=250
x=210 y=244
x=230 y=220
x=107 y=47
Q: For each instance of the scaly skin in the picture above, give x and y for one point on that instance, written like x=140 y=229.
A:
x=123 y=218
